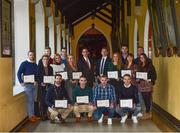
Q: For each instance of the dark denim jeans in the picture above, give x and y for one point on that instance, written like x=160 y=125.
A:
x=99 y=111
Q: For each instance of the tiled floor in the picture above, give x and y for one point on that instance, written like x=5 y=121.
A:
x=84 y=126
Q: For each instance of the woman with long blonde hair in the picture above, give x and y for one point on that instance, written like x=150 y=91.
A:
x=70 y=68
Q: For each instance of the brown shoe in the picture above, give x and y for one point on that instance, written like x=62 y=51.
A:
x=147 y=116
x=32 y=119
x=78 y=119
x=89 y=119
x=35 y=117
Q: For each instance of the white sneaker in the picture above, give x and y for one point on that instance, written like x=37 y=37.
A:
x=123 y=119
x=109 y=121
x=101 y=119
x=57 y=119
x=140 y=115
x=134 y=118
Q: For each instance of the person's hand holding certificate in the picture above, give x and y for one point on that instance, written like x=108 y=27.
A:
x=61 y=104
x=82 y=99
x=76 y=75
x=112 y=74
x=123 y=72
x=126 y=103
x=64 y=75
x=102 y=103
x=48 y=79
x=28 y=78
x=141 y=75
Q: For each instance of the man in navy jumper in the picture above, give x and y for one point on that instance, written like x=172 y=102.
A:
x=58 y=92
x=128 y=91
x=29 y=67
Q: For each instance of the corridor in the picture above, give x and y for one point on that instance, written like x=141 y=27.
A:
x=122 y=54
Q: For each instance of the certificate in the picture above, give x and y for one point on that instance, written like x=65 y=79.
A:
x=141 y=75
x=82 y=99
x=126 y=103
x=57 y=68
x=76 y=75
x=102 y=103
x=29 y=79
x=60 y=103
x=112 y=74
x=64 y=75
x=48 y=79
x=123 y=72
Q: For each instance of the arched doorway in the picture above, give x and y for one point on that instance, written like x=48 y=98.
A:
x=94 y=40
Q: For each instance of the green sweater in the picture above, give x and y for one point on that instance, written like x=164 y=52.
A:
x=77 y=91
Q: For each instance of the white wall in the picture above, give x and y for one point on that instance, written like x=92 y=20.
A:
x=51 y=34
x=21 y=36
x=40 y=30
x=146 y=33
x=67 y=38
x=58 y=38
x=135 y=38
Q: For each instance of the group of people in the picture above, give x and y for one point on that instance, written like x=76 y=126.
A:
x=103 y=95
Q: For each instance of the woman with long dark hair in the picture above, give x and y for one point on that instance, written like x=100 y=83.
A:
x=146 y=86
x=130 y=65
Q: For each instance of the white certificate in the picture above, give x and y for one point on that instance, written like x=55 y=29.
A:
x=126 y=103
x=29 y=79
x=141 y=75
x=57 y=68
x=82 y=99
x=123 y=72
x=102 y=103
x=48 y=79
x=60 y=103
x=112 y=74
x=64 y=75
x=76 y=75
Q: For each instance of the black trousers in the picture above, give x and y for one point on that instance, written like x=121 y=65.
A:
x=43 y=106
x=147 y=97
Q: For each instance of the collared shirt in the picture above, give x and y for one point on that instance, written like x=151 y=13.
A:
x=103 y=60
x=88 y=62
x=100 y=93
x=127 y=86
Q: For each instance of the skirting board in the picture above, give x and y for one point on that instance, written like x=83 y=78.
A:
x=167 y=116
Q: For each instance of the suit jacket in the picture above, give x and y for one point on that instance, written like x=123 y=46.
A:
x=106 y=65
x=88 y=73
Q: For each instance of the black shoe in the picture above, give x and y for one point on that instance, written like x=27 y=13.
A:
x=62 y=120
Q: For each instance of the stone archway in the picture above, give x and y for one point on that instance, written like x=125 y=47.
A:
x=94 y=40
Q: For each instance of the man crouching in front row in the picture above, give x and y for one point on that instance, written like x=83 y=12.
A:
x=82 y=99
x=58 y=107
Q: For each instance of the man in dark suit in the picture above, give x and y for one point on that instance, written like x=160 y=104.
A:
x=85 y=65
x=124 y=53
x=103 y=63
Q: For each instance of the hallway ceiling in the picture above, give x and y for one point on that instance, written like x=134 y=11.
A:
x=76 y=9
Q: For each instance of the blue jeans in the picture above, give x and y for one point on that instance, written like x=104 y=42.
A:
x=122 y=111
x=141 y=101
x=30 y=94
x=99 y=111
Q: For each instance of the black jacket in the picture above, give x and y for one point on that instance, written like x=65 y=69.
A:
x=88 y=73
x=56 y=93
x=106 y=65
x=41 y=73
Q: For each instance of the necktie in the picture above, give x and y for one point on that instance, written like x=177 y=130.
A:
x=87 y=61
x=102 y=66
